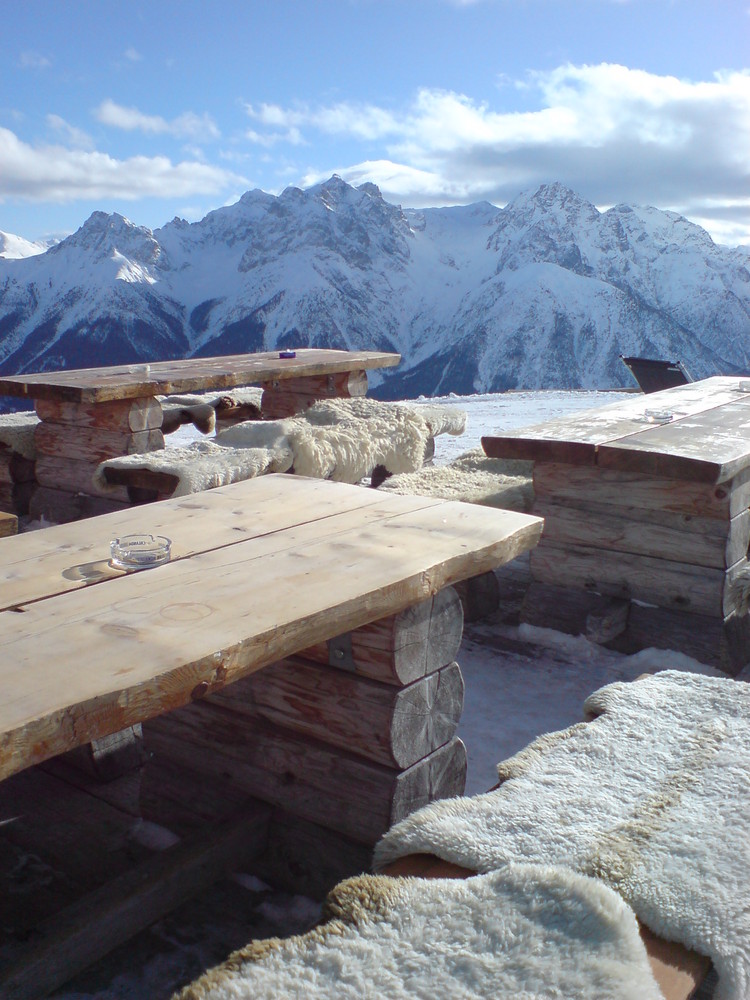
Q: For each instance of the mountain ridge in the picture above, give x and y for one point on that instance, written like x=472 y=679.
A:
x=547 y=292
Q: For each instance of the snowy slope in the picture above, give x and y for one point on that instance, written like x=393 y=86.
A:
x=547 y=292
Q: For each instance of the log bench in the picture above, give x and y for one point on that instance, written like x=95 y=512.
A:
x=295 y=659
x=646 y=522
x=89 y=415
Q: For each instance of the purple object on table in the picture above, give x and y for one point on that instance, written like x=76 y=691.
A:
x=287 y=354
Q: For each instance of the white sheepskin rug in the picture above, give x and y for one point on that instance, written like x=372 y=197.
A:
x=472 y=478
x=652 y=797
x=523 y=932
x=17 y=432
x=202 y=465
x=338 y=439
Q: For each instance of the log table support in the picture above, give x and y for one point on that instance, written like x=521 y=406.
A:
x=73 y=438
x=633 y=561
x=284 y=398
x=346 y=749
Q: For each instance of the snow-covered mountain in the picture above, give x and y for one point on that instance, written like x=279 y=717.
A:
x=545 y=293
x=15 y=247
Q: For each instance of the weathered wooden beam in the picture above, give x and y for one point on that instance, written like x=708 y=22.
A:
x=285 y=397
x=724 y=644
x=58 y=472
x=683 y=538
x=93 y=444
x=110 y=756
x=389 y=725
x=61 y=506
x=91 y=927
x=204 y=755
x=403 y=647
x=666 y=583
x=609 y=489
x=8 y=524
x=479 y=596
x=565 y=609
x=116 y=415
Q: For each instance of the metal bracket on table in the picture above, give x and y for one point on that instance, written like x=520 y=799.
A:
x=340 y=652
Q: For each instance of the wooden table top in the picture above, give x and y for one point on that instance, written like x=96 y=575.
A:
x=707 y=440
x=162 y=378
x=260 y=570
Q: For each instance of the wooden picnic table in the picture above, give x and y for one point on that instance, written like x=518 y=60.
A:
x=646 y=522
x=339 y=741
x=91 y=414
x=259 y=571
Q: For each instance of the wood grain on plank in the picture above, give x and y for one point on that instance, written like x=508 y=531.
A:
x=129 y=648
x=163 y=378
x=705 y=447
x=577 y=438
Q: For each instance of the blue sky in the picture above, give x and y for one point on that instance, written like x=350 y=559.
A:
x=175 y=108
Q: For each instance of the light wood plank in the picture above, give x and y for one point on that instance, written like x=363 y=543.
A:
x=70 y=556
x=578 y=437
x=710 y=447
x=164 y=378
x=130 y=648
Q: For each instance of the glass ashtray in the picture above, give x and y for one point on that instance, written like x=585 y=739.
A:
x=659 y=416
x=140 y=551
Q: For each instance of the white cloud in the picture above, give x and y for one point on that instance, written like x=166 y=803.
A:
x=133 y=55
x=610 y=132
x=54 y=173
x=71 y=135
x=33 y=60
x=185 y=126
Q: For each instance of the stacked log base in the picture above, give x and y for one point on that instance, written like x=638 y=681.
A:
x=72 y=439
x=635 y=562
x=346 y=750
x=285 y=397
x=17 y=482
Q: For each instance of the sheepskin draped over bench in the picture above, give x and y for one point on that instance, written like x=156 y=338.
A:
x=203 y=409
x=17 y=433
x=339 y=439
x=652 y=798
x=472 y=478
x=525 y=931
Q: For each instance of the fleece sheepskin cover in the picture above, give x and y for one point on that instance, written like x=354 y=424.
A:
x=519 y=933
x=17 y=432
x=202 y=465
x=336 y=439
x=472 y=478
x=652 y=797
